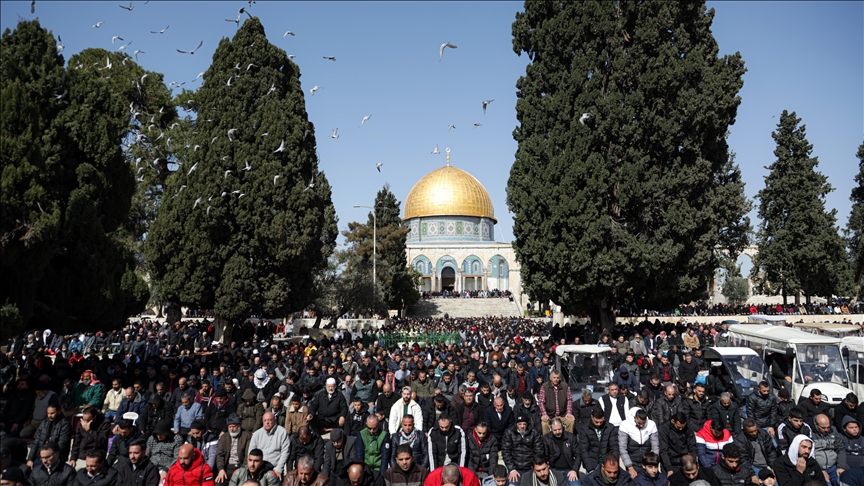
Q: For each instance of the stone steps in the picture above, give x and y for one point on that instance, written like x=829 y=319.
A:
x=460 y=308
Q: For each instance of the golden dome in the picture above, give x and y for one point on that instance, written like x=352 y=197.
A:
x=448 y=191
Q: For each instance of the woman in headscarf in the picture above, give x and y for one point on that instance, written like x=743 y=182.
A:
x=798 y=467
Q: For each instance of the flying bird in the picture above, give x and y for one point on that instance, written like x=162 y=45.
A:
x=97 y=25
x=250 y=66
x=197 y=201
x=436 y=152
x=226 y=174
x=281 y=147
x=214 y=139
x=334 y=134
x=265 y=134
x=306 y=133
x=60 y=45
x=275 y=178
x=364 y=120
x=311 y=184
x=129 y=8
x=231 y=132
x=441 y=50
x=32 y=6
x=124 y=46
x=378 y=166
x=314 y=89
x=478 y=125
x=287 y=33
x=181 y=188
x=142 y=78
x=209 y=208
x=138 y=51
x=584 y=117
x=193 y=50
x=193 y=168
x=485 y=104
x=291 y=56
x=160 y=31
x=248 y=167
x=330 y=58
x=113 y=39
x=450 y=127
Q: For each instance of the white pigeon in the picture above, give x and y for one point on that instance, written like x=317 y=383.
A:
x=60 y=45
x=193 y=168
x=334 y=134
x=248 y=167
x=330 y=58
x=478 y=125
x=378 y=166
x=199 y=75
x=181 y=188
x=281 y=147
x=436 y=152
x=485 y=104
x=441 y=50
x=584 y=117
x=287 y=34
x=159 y=31
x=291 y=56
x=115 y=38
x=314 y=89
x=365 y=119
x=311 y=184
x=214 y=139
x=124 y=46
x=275 y=178
x=209 y=208
x=450 y=127
x=226 y=173
x=197 y=201
x=231 y=132
x=97 y=25
x=138 y=51
x=196 y=148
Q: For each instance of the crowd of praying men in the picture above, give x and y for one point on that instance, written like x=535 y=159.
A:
x=495 y=408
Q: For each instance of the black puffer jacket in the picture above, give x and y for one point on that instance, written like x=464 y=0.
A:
x=728 y=477
x=59 y=432
x=674 y=444
x=482 y=458
x=96 y=438
x=452 y=445
x=519 y=450
x=697 y=413
x=762 y=409
x=62 y=475
x=592 y=449
x=787 y=474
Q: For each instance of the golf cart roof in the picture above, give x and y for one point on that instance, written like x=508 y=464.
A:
x=581 y=349
x=733 y=351
x=779 y=333
x=835 y=327
x=854 y=343
x=764 y=318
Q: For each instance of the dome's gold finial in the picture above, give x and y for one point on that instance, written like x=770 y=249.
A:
x=448 y=156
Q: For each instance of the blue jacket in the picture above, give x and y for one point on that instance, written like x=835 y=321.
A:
x=137 y=405
x=184 y=417
x=643 y=479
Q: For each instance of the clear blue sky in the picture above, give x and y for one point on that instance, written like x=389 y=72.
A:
x=806 y=57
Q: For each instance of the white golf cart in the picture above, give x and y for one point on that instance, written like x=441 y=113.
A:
x=742 y=366
x=829 y=329
x=584 y=366
x=811 y=360
x=852 y=350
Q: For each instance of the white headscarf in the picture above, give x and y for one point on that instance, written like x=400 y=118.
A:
x=261 y=379
x=792 y=453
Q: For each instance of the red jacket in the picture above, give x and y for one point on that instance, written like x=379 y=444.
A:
x=198 y=474
x=468 y=477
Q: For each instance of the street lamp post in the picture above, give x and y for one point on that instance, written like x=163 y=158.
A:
x=374 y=244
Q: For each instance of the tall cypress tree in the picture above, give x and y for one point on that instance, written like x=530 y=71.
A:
x=397 y=282
x=800 y=248
x=623 y=183
x=66 y=191
x=246 y=241
x=855 y=226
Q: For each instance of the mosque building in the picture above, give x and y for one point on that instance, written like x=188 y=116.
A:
x=451 y=241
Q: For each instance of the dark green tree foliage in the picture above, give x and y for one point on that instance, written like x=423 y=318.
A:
x=627 y=208
x=245 y=241
x=342 y=288
x=66 y=191
x=855 y=226
x=800 y=248
x=147 y=142
x=397 y=282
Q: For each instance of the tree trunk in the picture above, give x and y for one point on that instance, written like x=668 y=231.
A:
x=317 y=321
x=219 y=326
x=784 y=296
x=797 y=298
x=605 y=317
x=173 y=315
x=807 y=299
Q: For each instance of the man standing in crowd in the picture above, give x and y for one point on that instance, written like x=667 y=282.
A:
x=273 y=441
